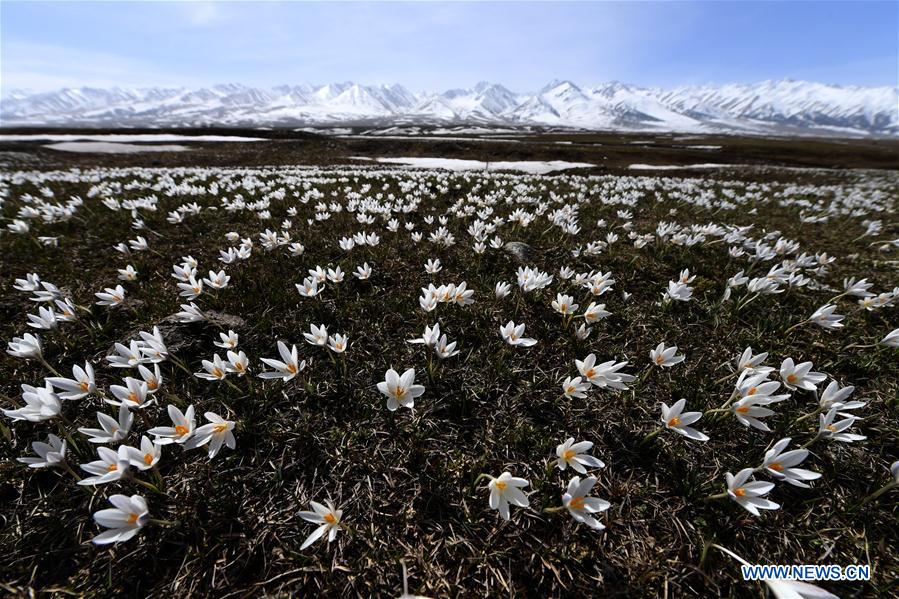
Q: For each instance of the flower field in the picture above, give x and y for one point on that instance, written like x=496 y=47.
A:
x=375 y=381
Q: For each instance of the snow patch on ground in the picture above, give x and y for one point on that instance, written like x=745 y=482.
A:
x=674 y=167
x=129 y=137
x=455 y=164
x=106 y=147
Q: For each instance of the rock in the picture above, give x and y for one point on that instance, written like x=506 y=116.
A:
x=178 y=336
x=520 y=251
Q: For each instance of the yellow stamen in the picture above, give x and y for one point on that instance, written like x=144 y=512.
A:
x=220 y=427
x=148 y=458
x=330 y=519
x=501 y=485
x=739 y=491
x=112 y=467
x=577 y=503
x=181 y=430
x=775 y=466
x=132 y=518
x=568 y=454
x=674 y=421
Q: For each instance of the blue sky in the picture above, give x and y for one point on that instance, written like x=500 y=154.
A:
x=436 y=45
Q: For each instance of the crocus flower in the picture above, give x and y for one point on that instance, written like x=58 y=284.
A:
x=575 y=387
x=238 y=362
x=146 y=456
x=665 y=356
x=111 y=296
x=111 y=430
x=286 y=370
x=675 y=419
x=112 y=465
x=28 y=346
x=400 y=390
x=318 y=335
x=337 y=343
x=605 y=374
x=506 y=489
x=580 y=506
x=216 y=433
x=133 y=394
x=124 y=520
x=327 y=517
x=891 y=339
x=836 y=431
x=80 y=385
x=228 y=340
x=182 y=429
x=825 y=317
x=800 y=376
x=216 y=370
x=363 y=272
x=50 y=453
x=595 y=312
x=564 y=304
x=748 y=494
x=513 y=335
x=45 y=319
x=574 y=454
x=782 y=465
x=41 y=403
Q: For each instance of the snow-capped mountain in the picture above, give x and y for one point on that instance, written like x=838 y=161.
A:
x=771 y=106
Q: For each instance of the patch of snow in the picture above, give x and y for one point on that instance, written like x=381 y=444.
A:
x=129 y=137
x=455 y=164
x=106 y=147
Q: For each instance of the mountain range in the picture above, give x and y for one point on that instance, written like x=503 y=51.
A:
x=783 y=106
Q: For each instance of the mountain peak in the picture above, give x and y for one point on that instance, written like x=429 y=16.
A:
x=769 y=106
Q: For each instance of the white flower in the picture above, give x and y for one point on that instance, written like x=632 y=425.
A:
x=216 y=370
x=665 y=357
x=675 y=419
x=836 y=431
x=238 y=363
x=216 y=433
x=45 y=319
x=111 y=430
x=513 y=335
x=891 y=339
x=318 y=335
x=564 y=304
x=110 y=296
x=133 y=394
x=574 y=454
x=835 y=397
x=286 y=370
x=337 y=343
x=111 y=466
x=229 y=340
x=146 y=456
x=825 y=318
x=28 y=346
x=363 y=272
x=580 y=506
x=605 y=374
x=800 y=375
x=782 y=465
x=429 y=338
x=506 y=489
x=400 y=390
x=595 y=312
x=41 y=403
x=183 y=429
x=749 y=494
x=124 y=520
x=575 y=387
x=501 y=290
x=49 y=454
x=328 y=518
x=80 y=385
